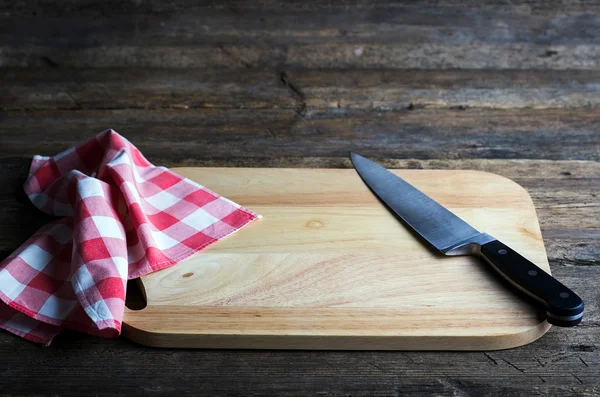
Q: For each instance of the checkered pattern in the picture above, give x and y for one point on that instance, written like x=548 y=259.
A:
x=122 y=218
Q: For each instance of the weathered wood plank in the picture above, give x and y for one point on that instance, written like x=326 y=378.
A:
x=143 y=88
x=194 y=25
x=430 y=38
x=398 y=89
x=176 y=136
x=357 y=55
x=98 y=7
x=438 y=56
x=72 y=88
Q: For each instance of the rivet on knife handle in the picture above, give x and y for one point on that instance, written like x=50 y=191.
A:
x=563 y=307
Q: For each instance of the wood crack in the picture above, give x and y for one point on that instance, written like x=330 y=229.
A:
x=73 y=99
x=233 y=57
x=49 y=62
x=490 y=358
x=514 y=366
x=296 y=92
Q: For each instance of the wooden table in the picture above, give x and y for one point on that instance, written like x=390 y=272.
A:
x=510 y=89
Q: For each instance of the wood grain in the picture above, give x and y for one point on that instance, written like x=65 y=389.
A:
x=303 y=90
x=181 y=35
x=118 y=88
x=328 y=267
x=98 y=7
x=176 y=137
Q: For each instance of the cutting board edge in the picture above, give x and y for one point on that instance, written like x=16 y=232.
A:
x=334 y=342
x=349 y=169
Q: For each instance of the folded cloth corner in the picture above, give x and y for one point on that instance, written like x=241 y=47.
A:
x=120 y=218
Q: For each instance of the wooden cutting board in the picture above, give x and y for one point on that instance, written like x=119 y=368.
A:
x=328 y=267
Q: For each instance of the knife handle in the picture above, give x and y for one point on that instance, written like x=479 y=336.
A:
x=563 y=307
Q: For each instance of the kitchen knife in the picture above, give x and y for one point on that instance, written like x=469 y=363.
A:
x=452 y=236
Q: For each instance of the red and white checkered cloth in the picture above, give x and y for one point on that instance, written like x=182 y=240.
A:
x=122 y=218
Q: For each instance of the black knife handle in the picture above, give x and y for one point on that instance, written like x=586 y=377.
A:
x=564 y=308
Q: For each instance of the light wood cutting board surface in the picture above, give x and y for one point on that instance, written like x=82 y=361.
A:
x=328 y=267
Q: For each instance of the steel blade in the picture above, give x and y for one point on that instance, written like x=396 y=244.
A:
x=440 y=227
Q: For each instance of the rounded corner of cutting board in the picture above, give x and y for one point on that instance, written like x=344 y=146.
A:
x=510 y=183
x=134 y=330
x=518 y=339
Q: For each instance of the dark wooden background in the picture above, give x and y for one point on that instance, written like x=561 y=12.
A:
x=502 y=86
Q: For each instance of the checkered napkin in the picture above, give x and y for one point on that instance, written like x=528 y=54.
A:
x=122 y=218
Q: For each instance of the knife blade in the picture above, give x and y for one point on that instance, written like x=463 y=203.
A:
x=451 y=235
